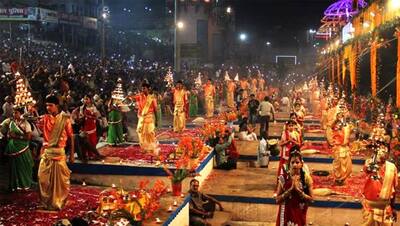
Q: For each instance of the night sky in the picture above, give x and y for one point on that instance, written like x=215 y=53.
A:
x=279 y=21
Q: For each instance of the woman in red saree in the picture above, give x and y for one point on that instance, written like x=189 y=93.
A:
x=297 y=126
x=294 y=193
x=89 y=114
x=300 y=112
x=290 y=138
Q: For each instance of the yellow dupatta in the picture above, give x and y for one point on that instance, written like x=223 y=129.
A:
x=57 y=129
x=146 y=107
x=179 y=98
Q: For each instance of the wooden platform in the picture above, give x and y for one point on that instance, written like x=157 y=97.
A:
x=247 y=147
x=247 y=223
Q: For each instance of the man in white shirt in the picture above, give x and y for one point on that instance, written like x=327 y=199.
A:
x=266 y=111
x=285 y=103
x=7 y=108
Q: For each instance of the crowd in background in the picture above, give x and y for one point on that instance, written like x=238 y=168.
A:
x=50 y=67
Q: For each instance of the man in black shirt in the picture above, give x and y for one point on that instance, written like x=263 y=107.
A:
x=201 y=206
x=253 y=112
x=239 y=98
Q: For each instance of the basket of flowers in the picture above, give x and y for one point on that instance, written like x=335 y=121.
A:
x=132 y=207
x=273 y=146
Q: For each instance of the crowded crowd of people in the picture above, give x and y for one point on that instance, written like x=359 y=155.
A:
x=84 y=99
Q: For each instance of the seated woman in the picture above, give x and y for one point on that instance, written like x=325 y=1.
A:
x=85 y=149
x=232 y=152
x=221 y=148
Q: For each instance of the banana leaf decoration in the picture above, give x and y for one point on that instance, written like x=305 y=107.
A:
x=179 y=175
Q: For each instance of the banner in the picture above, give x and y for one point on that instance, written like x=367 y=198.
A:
x=46 y=15
x=90 y=23
x=18 y=14
x=190 y=51
x=64 y=18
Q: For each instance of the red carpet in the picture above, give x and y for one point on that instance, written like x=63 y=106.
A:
x=165 y=134
x=353 y=186
x=21 y=208
x=133 y=153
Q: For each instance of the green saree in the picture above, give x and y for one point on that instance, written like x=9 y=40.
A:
x=193 y=105
x=21 y=161
x=115 y=132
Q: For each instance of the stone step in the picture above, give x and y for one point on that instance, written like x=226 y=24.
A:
x=254 y=214
x=220 y=218
x=246 y=164
x=253 y=185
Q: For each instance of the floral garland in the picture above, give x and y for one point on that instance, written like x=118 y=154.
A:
x=189 y=152
x=193 y=147
x=333 y=69
x=374 y=48
x=227 y=116
x=212 y=130
x=353 y=66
